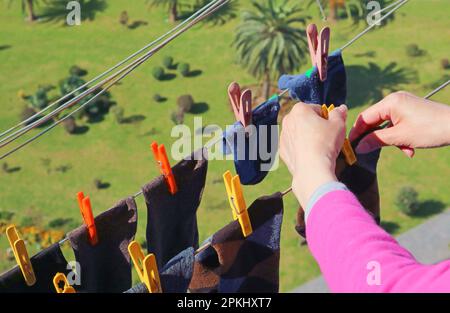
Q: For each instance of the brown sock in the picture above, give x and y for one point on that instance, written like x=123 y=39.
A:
x=172 y=219
x=45 y=264
x=234 y=264
x=106 y=266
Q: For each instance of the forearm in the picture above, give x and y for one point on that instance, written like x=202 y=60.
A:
x=352 y=250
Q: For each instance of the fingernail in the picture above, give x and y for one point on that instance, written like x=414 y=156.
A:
x=343 y=108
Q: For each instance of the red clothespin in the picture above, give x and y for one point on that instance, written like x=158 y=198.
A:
x=86 y=212
x=319 y=45
x=163 y=161
x=241 y=101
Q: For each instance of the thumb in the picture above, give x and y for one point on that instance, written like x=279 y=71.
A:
x=376 y=140
x=339 y=114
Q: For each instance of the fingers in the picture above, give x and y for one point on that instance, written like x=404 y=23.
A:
x=371 y=118
x=409 y=152
x=339 y=114
x=376 y=140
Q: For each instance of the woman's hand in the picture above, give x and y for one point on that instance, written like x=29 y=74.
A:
x=310 y=145
x=417 y=123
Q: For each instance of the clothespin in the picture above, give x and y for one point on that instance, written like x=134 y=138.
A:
x=160 y=155
x=241 y=101
x=61 y=278
x=86 y=212
x=237 y=202
x=319 y=45
x=347 y=149
x=20 y=253
x=146 y=267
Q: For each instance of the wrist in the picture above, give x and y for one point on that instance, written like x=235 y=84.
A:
x=305 y=186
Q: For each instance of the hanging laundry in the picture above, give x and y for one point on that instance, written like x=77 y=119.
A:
x=260 y=146
x=309 y=89
x=106 y=267
x=172 y=219
x=175 y=275
x=234 y=264
x=45 y=264
x=360 y=178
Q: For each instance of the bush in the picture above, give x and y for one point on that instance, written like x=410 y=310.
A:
x=39 y=100
x=413 y=50
x=168 y=62
x=177 y=117
x=77 y=71
x=6 y=216
x=445 y=64
x=60 y=222
x=123 y=19
x=185 y=103
x=26 y=113
x=158 y=98
x=27 y=221
x=407 y=200
x=118 y=113
x=184 y=69
x=158 y=73
x=70 y=125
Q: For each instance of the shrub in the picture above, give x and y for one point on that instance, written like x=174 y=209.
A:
x=26 y=113
x=6 y=216
x=123 y=19
x=445 y=64
x=77 y=71
x=168 y=62
x=39 y=100
x=407 y=200
x=413 y=50
x=60 y=222
x=118 y=113
x=184 y=69
x=27 y=221
x=185 y=103
x=70 y=125
x=177 y=117
x=158 y=98
x=158 y=73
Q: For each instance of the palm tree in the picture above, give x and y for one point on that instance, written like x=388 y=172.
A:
x=172 y=5
x=28 y=7
x=271 y=41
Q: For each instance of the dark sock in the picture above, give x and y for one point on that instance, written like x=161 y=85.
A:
x=172 y=219
x=106 y=266
x=175 y=276
x=45 y=264
x=250 y=166
x=234 y=264
x=309 y=89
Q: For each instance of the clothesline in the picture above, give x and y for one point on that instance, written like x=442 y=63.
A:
x=208 y=12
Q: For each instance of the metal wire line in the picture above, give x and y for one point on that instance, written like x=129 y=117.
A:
x=12 y=137
x=127 y=70
x=109 y=70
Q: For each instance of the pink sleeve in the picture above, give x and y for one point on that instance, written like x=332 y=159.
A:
x=356 y=255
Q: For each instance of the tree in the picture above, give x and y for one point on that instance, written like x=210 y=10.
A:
x=28 y=7
x=271 y=40
x=172 y=5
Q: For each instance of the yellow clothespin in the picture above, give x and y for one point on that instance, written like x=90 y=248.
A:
x=146 y=267
x=347 y=149
x=21 y=255
x=67 y=288
x=237 y=202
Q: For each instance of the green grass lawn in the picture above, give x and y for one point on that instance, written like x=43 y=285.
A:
x=119 y=154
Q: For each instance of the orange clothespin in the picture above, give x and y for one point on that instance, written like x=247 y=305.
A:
x=146 y=267
x=347 y=149
x=66 y=288
x=319 y=45
x=237 y=202
x=161 y=158
x=241 y=101
x=20 y=253
x=86 y=212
